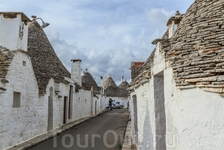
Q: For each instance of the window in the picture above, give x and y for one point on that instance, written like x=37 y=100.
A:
x=24 y=63
x=16 y=99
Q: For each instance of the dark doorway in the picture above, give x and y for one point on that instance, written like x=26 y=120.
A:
x=160 y=115
x=65 y=110
x=135 y=118
x=70 y=107
x=50 y=111
x=95 y=107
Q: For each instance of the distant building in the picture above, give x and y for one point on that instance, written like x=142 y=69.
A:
x=88 y=83
x=117 y=93
x=177 y=95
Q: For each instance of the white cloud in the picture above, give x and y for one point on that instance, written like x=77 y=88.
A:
x=106 y=35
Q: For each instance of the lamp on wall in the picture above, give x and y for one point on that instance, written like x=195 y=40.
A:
x=44 y=24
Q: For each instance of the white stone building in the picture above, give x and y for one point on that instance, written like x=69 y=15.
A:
x=116 y=93
x=177 y=94
x=37 y=93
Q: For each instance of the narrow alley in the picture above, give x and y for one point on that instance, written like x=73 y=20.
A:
x=104 y=132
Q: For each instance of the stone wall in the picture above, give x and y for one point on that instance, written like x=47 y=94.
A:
x=46 y=64
x=20 y=124
x=196 y=49
x=82 y=104
x=193 y=116
x=31 y=118
x=135 y=69
x=145 y=117
x=13 y=28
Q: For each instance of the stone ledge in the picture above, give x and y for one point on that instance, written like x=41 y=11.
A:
x=127 y=139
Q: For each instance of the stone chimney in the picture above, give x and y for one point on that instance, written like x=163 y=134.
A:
x=101 y=81
x=122 y=79
x=76 y=71
x=173 y=23
x=101 y=84
x=14 y=30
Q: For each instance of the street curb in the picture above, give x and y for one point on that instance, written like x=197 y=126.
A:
x=45 y=136
x=127 y=139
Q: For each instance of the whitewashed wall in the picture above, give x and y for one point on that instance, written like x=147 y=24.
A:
x=104 y=103
x=95 y=108
x=172 y=29
x=31 y=119
x=10 y=29
x=20 y=124
x=146 y=116
x=82 y=104
x=146 y=119
x=195 y=118
x=58 y=102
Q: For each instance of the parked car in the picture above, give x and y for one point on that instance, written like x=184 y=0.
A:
x=118 y=105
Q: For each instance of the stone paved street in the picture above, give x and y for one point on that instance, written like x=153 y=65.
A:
x=103 y=132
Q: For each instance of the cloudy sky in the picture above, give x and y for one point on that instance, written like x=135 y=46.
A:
x=106 y=34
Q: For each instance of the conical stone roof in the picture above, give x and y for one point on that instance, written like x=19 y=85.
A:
x=124 y=84
x=197 y=47
x=88 y=81
x=111 y=89
x=109 y=82
x=45 y=62
x=122 y=88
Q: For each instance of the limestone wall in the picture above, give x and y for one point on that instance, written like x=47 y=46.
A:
x=145 y=117
x=189 y=118
x=196 y=49
x=58 y=102
x=20 y=124
x=82 y=104
x=194 y=117
x=11 y=30
x=104 y=102
x=32 y=117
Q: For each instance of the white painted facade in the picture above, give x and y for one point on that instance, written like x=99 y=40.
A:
x=172 y=28
x=188 y=118
x=31 y=118
x=20 y=124
x=37 y=114
x=103 y=102
x=13 y=29
x=194 y=117
x=76 y=71
x=82 y=105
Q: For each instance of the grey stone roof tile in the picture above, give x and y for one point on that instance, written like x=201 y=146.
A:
x=195 y=51
x=88 y=81
x=45 y=62
x=109 y=82
x=6 y=57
